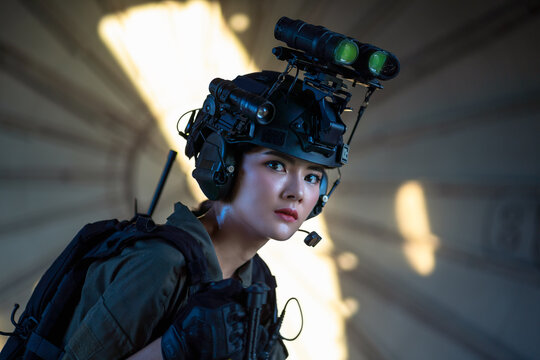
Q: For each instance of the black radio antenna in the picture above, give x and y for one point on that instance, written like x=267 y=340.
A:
x=162 y=180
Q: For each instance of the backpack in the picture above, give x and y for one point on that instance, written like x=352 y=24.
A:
x=40 y=329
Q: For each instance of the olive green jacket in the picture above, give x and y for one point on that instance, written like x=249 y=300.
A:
x=127 y=300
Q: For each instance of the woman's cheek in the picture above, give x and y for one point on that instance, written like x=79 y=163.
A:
x=314 y=196
x=269 y=180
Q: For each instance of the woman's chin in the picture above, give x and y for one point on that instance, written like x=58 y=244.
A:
x=283 y=235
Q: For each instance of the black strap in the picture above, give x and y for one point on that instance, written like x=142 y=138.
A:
x=195 y=260
x=261 y=272
x=43 y=348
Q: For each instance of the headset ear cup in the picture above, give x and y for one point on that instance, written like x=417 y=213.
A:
x=214 y=168
x=323 y=187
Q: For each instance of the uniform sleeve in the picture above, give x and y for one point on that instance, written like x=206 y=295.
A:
x=137 y=290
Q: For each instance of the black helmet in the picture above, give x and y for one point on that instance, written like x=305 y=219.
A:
x=306 y=124
x=266 y=109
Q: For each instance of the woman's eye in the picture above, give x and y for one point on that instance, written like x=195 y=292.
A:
x=313 y=179
x=275 y=165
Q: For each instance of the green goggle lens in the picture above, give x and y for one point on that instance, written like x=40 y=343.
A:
x=377 y=61
x=346 y=52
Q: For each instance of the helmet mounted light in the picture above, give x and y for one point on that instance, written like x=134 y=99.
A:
x=252 y=105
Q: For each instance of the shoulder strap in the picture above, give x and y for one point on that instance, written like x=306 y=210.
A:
x=144 y=228
x=190 y=248
x=262 y=273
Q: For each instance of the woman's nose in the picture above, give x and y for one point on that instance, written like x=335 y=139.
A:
x=293 y=189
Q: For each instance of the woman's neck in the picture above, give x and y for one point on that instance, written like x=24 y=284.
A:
x=233 y=244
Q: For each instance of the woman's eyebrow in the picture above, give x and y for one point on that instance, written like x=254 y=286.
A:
x=285 y=157
x=292 y=160
x=317 y=168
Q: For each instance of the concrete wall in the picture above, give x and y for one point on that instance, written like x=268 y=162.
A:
x=435 y=227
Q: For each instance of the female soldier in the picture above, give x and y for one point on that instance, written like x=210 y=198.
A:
x=261 y=144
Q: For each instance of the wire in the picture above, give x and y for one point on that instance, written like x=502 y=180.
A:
x=301 y=317
x=17 y=325
x=293 y=83
x=278 y=81
x=369 y=92
x=181 y=133
x=336 y=183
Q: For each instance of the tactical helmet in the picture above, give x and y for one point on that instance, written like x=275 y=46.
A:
x=266 y=109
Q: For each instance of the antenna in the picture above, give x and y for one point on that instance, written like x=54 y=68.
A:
x=161 y=183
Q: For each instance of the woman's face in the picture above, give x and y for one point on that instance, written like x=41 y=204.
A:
x=275 y=193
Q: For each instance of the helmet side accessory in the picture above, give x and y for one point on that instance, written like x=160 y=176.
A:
x=215 y=168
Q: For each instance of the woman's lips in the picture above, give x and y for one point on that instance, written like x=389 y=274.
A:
x=289 y=215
